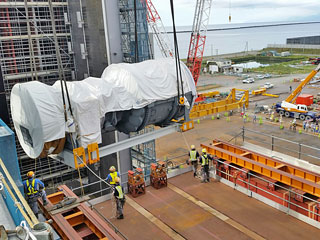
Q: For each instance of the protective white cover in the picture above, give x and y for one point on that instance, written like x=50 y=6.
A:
x=38 y=107
x=140 y=84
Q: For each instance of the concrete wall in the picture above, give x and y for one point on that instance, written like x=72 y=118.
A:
x=77 y=30
x=88 y=35
x=95 y=37
x=112 y=30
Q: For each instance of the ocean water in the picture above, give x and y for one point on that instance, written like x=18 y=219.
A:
x=224 y=39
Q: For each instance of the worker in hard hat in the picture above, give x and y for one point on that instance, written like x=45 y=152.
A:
x=34 y=189
x=111 y=178
x=193 y=159
x=204 y=161
x=120 y=198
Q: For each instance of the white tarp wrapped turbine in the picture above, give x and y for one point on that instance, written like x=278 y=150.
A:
x=37 y=109
x=37 y=114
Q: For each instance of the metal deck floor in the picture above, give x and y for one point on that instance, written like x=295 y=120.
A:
x=193 y=222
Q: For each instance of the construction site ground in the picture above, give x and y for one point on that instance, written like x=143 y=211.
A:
x=188 y=209
x=215 y=211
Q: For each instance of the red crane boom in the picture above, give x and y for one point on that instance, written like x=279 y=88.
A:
x=198 y=37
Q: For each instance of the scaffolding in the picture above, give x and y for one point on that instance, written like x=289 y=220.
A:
x=128 y=26
x=28 y=52
x=27 y=46
x=144 y=154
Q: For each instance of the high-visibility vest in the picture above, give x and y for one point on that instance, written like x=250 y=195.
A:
x=30 y=187
x=119 y=189
x=205 y=160
x=113 y=177
x=193 y=155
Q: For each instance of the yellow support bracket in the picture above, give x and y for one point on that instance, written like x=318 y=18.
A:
x=93 y=147
x=79 y=153
x=186 y=126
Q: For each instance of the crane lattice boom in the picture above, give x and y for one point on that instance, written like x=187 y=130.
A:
x=198 y=37
x=158 y=29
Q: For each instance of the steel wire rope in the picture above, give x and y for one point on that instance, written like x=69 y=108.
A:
x=97 y=176
x=177 y=57
x=136 y=55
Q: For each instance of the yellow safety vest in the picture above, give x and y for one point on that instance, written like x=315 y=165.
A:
x=30 y=187
x=205 y=160
x=113 y=176
x=193 y=155
x=119 y=189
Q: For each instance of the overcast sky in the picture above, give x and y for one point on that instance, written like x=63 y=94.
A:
x=242 y=11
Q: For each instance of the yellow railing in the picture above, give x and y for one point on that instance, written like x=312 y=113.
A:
x=20 y=201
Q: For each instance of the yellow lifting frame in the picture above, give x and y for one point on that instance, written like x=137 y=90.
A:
x=93 y=147
x=79 y=153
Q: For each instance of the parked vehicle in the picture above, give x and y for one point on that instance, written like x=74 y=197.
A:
x=289 y=108
x=248 y=80
x=260 y=76
x=267 y=75
x=268 y=85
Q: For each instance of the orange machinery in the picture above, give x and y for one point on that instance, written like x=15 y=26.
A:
x=136 y=183
x=158 y=176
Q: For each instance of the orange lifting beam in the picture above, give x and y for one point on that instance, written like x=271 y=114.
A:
x=77 y=220
x=230 y=103
x=283 y=172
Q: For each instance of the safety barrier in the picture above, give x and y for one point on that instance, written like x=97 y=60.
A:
x=272 y=168
x=289 y=198
x=295 y=149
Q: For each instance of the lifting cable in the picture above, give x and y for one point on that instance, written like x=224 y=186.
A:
x=177 y=58
x=59 y=61
x=136 y=55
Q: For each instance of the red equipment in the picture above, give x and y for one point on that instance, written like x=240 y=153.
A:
x=305 y=99
x=156 y=25
x=158 y=176
x=198 y=37
x=136 y=184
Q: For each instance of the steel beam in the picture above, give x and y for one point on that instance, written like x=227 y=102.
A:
x=66 y=219
x=130 y=142
x=283 y=172
x=31 y=4
x=67 y=155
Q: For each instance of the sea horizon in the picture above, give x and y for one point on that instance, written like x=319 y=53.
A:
x=243 y=36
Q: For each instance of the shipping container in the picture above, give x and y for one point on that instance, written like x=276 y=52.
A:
x=305 y=99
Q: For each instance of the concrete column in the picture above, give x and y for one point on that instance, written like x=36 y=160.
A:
x=112 y=30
